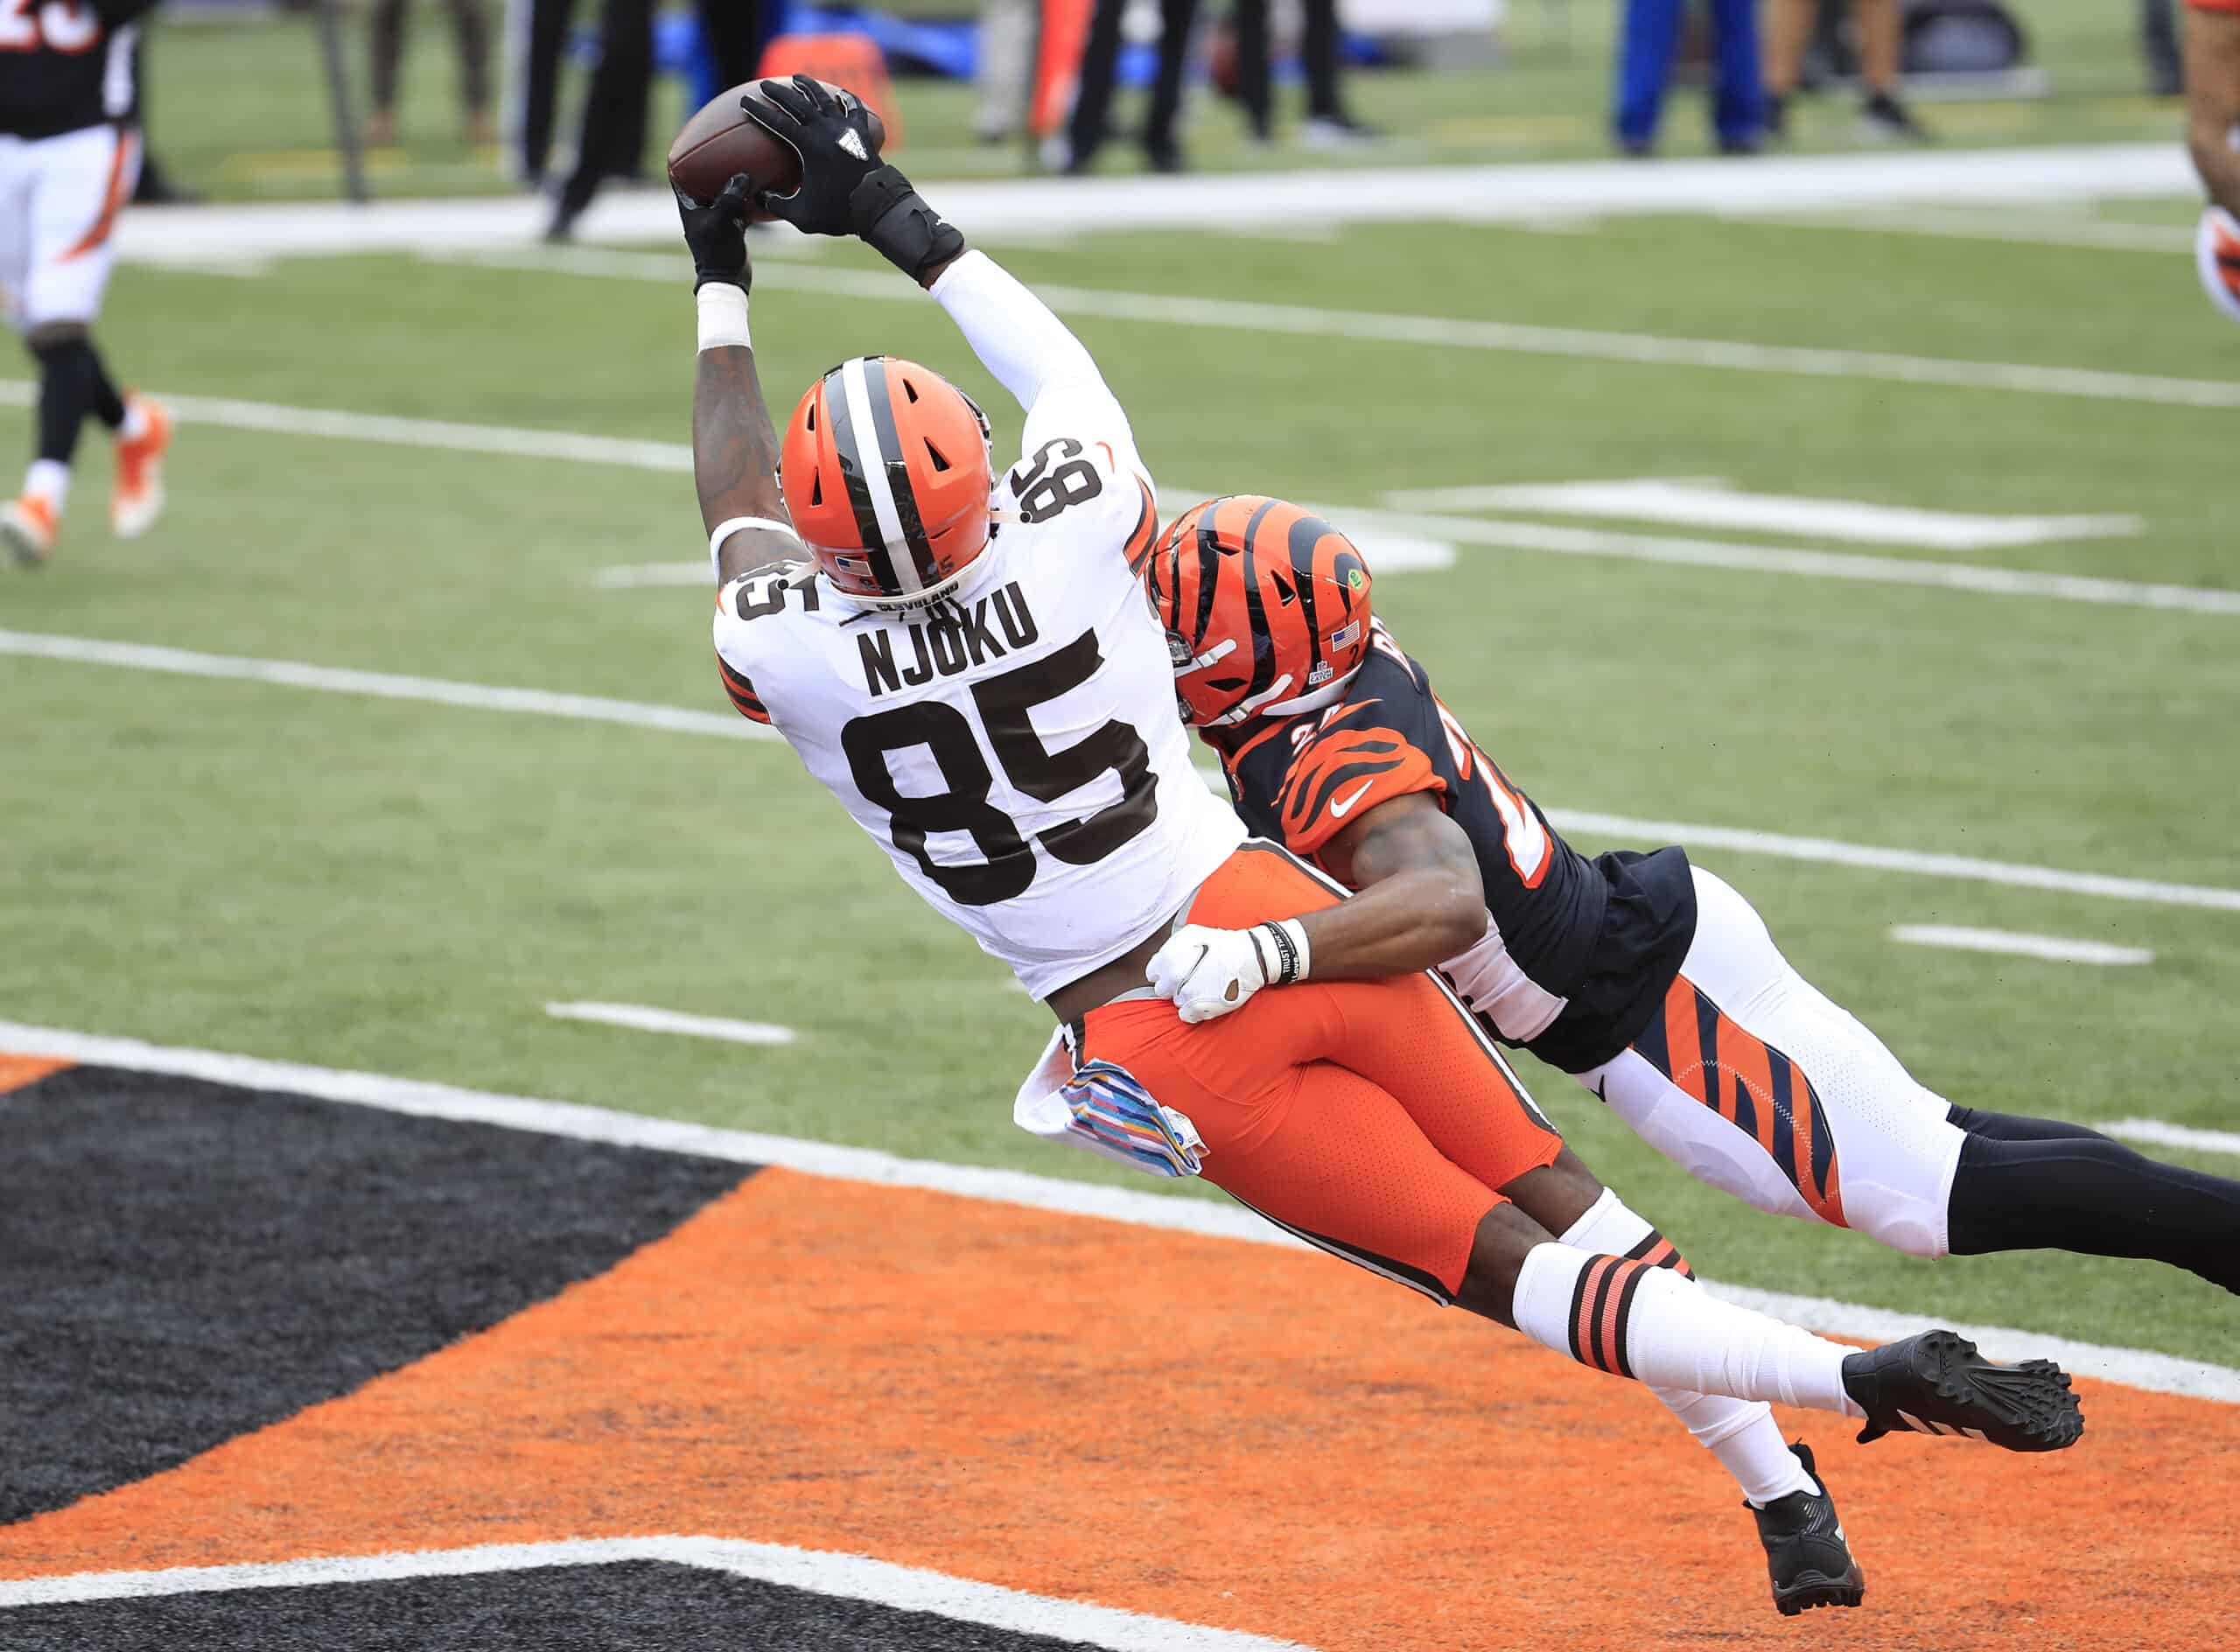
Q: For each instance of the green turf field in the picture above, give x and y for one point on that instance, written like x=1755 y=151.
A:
x=400 y=887
x=1544 y=93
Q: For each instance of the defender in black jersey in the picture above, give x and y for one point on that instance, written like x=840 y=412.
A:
x=69 y=156
x=1651 y=980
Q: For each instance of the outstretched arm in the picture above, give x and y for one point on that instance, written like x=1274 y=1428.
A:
x=1421 y=903
x=2213 y=101
x=734 y=445
x=846 y=189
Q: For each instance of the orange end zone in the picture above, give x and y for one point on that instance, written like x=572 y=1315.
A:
x=1258 y=1438
x=16 y=1071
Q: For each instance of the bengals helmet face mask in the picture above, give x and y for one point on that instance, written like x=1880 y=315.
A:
x=1266 y=609
x=886 y=472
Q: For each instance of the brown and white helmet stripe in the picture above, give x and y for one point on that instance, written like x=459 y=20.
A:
x=861 y=408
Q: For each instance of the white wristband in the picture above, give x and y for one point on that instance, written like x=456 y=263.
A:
x=724 y=529
x=1297 y=930
x=723 y=316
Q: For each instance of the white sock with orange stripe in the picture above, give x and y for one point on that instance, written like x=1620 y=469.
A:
x=1740 y=1434
x=49 y=479
x=1632 y=1319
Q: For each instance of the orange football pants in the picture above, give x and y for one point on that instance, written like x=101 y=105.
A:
x=1372 y=1119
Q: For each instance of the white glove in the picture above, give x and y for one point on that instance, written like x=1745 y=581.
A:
x=1209 y=972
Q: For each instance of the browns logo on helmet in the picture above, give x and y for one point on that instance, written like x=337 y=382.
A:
x=1265 y=605
x=887 y=472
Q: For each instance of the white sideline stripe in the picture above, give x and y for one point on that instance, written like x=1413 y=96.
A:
x=2098 y=233
x=2051 y=949
x=637 y=714
x=1509 y=192
x=1557 y=539
x=2136 y=1367
x=1715 y=504
x=1446 y=333
x=645 y=1018
x=849 y=1577
x=1926 y=864
x=403 y=432
x=381 y=685
x=2162 y=1135
x=1422 y=537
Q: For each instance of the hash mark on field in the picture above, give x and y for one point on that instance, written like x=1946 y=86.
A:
x=2137 y=1368
x=2153 y=1130
x=2051 y=949
x=644 y=1018
x=675 y=719
x=851 y=1576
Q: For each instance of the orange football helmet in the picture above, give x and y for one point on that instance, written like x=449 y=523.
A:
x=1263 y=604
x=886 y=472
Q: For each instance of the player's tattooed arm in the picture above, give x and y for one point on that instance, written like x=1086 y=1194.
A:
x=2213 y=101
x=734 y=445
x=1421 y=900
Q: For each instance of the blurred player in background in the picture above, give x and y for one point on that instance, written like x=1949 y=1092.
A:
x=69 y=152
x=470 y=29
x=1652 y=982
x=1877 y=32
x=965 y=659
x=2212 y=128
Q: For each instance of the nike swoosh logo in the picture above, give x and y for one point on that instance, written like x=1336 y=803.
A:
x=1338 y=810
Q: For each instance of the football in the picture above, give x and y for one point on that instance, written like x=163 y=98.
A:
x=720 y=141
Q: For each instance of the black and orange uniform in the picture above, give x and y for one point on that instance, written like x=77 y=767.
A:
x=1579 y=954
x=66 y=65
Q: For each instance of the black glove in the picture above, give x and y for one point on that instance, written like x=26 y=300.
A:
x=846 y=188
x=717 y=235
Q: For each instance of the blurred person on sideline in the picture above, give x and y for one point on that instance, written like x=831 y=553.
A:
x=2157 y=43
x=470 y=29
x=613 y=141
x=69 y=152
x=1647 y=48
x=1073 y=151
x=1328 y=125
x=1878 y=31
x=2212 y=128
x=1003 y=68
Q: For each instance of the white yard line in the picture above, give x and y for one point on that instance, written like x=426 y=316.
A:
x=1447 y=332
x=1713 y=503
x=998 y=209
x=2045 y=230
x=645 y=1018
x=847 y=1577
x=2136 y=1367
x=2155 y=1131
x=1417 y=539
x=2050 y=948
x=638 y=714
x=380 y=685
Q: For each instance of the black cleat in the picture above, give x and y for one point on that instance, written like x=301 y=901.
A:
x=1936 y=1383
x=1811 y=1564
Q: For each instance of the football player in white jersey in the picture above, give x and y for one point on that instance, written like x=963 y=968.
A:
x=967 y=662
x=69 y=154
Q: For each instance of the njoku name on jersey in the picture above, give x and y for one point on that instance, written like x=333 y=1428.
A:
x=1013 y=750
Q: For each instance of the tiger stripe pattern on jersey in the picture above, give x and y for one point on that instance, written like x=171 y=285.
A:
x=1751 y=1085
x=1348 y=769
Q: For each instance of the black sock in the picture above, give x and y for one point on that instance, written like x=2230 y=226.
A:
x=108 y=400
x=2087 y=1194
x=67 y=372
x=2012 y=1127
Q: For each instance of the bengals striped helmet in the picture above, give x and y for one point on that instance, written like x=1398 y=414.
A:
x=886 y=472
x=1263 y=604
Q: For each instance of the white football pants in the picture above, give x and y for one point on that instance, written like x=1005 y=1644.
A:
x=1754 y=1083
x=58 y=201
